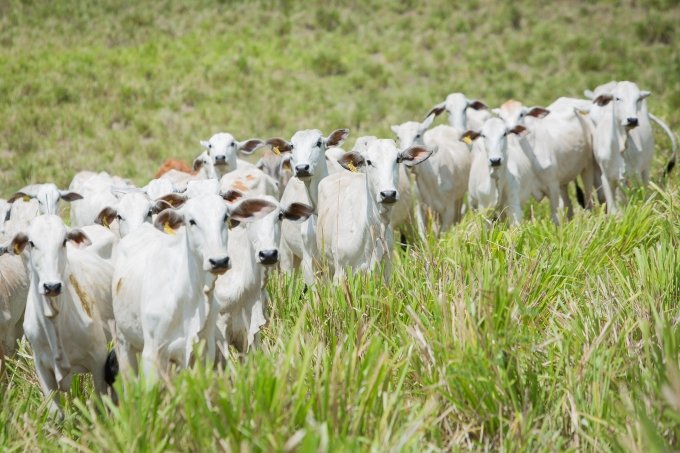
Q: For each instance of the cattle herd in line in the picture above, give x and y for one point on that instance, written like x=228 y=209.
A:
x=151 y=268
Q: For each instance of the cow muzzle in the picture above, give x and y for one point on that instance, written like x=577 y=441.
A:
x=389 y=196
x=495 y=161
x=220 y=160
x=631 y=123
x=51 y=289
x=219 y=266
x=303 y=171
x=268 y=257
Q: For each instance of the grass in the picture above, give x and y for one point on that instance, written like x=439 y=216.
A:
x=526 y=338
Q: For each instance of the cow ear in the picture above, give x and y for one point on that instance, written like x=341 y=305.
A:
x=106 y=216
x=297 y=212
x=644 y=94
x=16 y=245
x=589 y=94
x=279 y=145
x=70 y=196
x=205 y=144
x=251 y=209
x=352 y=161
x=168 y=221
x=395 y=129
x=78 y=238
x=538 y=112
x=171 y=200
x=260 y=165
x=18 y=195
x=427 y=122
x=603 y=99
x=437 y=109
x=249 y=146
x=518 y=130
x=414 y=155
x=477 y=105
x=496 y=112
x=285 y=164
x=469 y=136
x=232 y=195
x=199 y=161
x=337 y=137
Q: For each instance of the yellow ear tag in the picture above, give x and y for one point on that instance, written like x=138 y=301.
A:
x=168 y=229
x=276 y=150
x=105 y=222
x=467 y=140
x=26 y=198
x=352 y=167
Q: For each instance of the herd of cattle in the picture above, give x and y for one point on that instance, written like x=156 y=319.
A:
x=151 y=268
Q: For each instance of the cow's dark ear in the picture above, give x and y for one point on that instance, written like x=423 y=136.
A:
x=518 y=130
x=603 y=99
x=232 y=195
x=538 y=112
x=169 y=221
x=106 y=216
x=469 y=136
x=171 y=200
x=16 y=245
x=70 y=196
x=337 y=137
x=352 y=161
x=279 y=145
x=249 y=146
x=478 y=105
x=297 y=212
x=77 y=237
x=437 y=109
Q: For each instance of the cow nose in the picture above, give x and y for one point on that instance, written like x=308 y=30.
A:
x=302 y=170
x=388 y=196
x=269 y=256
x=495 y=161
x=52 y=289
x=220 y=160
x=219 y=264
x=632 y=122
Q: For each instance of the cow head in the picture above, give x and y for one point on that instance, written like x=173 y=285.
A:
x=412 y=133
x=494 y=136
x=626 y=99
x=515 y=113
x=219 y=156
x=46 y=241
x=457 y=105
x=380 y=162
x=307 y=150
x=47 y=195
x=205 y=221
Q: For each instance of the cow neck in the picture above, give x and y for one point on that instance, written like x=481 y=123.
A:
x=312 y=185
x=618 y=132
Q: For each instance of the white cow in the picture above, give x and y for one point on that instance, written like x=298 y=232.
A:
x=97 y=192
x=354 y=208
x=631 y=108
x=13 y=293
x=442 y=180
x=276 y=165
x=559 y=147
x=502 y=177
x=164 y=278
x=307 y=150
x=47 y=195
x=62 y=320
x=219 y=156
x=241 y=292
x=250 y=180
x=463 y=113
x=19 y=215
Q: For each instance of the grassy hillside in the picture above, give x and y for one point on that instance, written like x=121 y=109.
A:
x=503 y=338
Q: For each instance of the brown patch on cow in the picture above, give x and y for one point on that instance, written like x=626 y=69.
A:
x=239 y=185
x=118 y=286
x=85 y=300
x=250 y=177
x=174 y=164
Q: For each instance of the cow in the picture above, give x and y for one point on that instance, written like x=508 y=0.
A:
x=354 y=207
x=276 y=165
x=307 y=150
x=442 y=180
x=502 y=176
x=62 y=320
x=164 y=278
x=219 y=156
x=463 y=113
x=47 y=195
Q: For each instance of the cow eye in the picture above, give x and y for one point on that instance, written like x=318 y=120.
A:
x=618 y=99
x=63 y=244
x=118 y=216
x=318 y=143
x=368 y=162
x=31 y=243
x=209 y=145
x=148 y=214
x=418 y=135
x=192 y=222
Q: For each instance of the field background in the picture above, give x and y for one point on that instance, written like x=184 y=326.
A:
x=489 y=338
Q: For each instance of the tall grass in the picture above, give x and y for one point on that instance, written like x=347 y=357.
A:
x=491 y=337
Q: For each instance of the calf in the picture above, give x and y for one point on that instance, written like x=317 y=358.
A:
x=307 y=150
x=62 y=321
x=502 y=177
x=219 y=156
x=276 y=165
x=463 y=113
x=164 y=279
x=354 y=207
x=47 y=195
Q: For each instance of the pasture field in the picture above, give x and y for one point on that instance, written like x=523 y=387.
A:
x=519 y=339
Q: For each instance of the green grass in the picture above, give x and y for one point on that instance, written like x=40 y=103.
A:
x=527 y=338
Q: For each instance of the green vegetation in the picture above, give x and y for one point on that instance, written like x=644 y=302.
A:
x=527 y=338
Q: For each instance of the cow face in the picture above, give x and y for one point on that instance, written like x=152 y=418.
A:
x=219 y=156
x=412 y=133
x=627 y=102
x=308 y=150
x=46 y=241
x=380 y=161
x=494 y=136
x=205 y=219
x=514 y=113
x=47 y=195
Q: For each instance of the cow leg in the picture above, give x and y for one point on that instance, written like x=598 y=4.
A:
x=420 y=222
x=645 y=177
x=567 y=202
x=49 y=386
x=554 y=197
x=587 y=177
x=609 y=189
